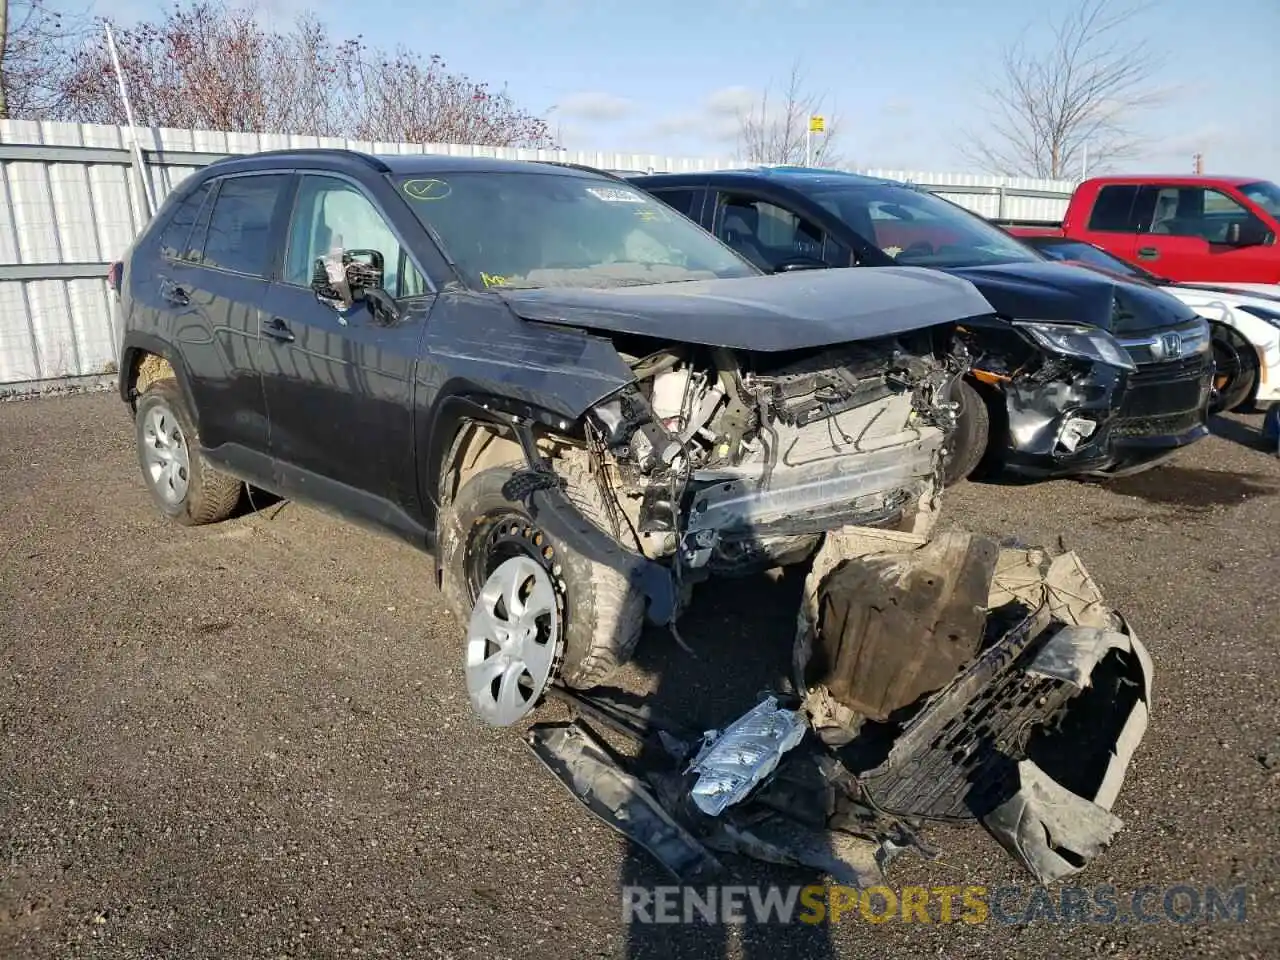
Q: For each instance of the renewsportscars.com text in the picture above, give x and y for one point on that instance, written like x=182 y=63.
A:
x=972 y=904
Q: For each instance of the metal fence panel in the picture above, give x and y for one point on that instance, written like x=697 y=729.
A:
x=70 y=204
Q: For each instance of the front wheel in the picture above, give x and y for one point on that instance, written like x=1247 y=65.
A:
x=967 y=444
x=534 y=608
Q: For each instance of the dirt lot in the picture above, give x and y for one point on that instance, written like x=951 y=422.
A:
x=252 y=740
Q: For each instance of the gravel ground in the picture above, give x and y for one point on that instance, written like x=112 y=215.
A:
x=251 y=739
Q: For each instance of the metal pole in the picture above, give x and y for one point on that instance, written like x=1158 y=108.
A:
x=148 y=196
x=1084 y=163
x=808 y=145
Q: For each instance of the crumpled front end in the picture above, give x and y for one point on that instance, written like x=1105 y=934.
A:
x=724 y=462
x=1063 y=414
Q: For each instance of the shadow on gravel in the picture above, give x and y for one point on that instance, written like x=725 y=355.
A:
x=1193 y=488
x=1236 y=432
x=741 y=632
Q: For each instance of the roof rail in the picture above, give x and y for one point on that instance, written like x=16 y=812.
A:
x=369 y=159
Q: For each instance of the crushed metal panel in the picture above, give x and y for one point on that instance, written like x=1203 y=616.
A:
x=621 y=800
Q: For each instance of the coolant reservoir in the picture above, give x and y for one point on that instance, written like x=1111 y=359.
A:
x=668 y=394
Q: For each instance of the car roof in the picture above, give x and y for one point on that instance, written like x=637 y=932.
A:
x=1201 y=178
x=784 y=175
x=398 y=164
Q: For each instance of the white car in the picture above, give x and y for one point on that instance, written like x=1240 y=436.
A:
x=1245 y=319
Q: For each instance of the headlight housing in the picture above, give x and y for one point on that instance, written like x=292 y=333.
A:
x=1265 y=314
x=1078 y=340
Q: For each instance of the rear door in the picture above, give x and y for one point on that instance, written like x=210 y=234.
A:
x=686 y=199
x=339 y=384
x=1183 y=232
x=768 y=233
x=215 y=286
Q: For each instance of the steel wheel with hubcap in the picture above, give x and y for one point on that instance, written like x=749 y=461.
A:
x=514 y=635
x=185 y=486
x=168 y=465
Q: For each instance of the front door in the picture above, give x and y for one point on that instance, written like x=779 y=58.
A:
x=339 y=383
x=1183 y=235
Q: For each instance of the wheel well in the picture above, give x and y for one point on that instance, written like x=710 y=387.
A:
x=476 y=447
x=146 y=369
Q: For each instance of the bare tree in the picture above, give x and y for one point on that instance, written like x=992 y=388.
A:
x=35 y=44
x=1079 y=93
x=774 y=128
x=211 y=66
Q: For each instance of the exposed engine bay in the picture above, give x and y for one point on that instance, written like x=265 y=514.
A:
x=731 y=461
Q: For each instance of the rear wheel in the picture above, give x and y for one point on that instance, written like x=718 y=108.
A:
x=967 y=445
x=535 y=608
x=184 y=485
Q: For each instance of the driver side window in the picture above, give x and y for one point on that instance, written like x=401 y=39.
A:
x=329 y=213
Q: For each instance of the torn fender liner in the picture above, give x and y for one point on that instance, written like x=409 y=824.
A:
x=562 y=521
x=1051 y=830
x=621 y=800
x=786 y=311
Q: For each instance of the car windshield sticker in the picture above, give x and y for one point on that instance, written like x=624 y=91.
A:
x=615 y=195
x=427 y=189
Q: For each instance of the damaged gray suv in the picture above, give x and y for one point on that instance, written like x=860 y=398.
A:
x=581 y=404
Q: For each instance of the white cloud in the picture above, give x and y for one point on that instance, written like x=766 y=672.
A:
x=594 y=106
x=730 y=101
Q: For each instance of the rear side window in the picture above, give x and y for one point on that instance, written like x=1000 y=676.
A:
x=173 y=238
x=687 y=200
x=239 y=233
x=1111 y=211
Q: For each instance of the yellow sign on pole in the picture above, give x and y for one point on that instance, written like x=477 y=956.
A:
x=817 y=124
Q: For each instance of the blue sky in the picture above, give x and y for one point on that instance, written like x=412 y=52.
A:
x=904 y=78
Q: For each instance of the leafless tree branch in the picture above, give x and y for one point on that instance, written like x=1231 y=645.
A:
x=773 y=129
x=1079 y=92
x=207 y=65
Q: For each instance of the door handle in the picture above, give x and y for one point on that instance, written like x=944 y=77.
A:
x=175 y=294
x=1148 y=253
x=277 y=329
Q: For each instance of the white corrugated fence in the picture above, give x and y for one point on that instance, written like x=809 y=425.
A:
x=70 y=203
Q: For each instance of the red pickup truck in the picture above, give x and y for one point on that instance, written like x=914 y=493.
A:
x=1194 y=228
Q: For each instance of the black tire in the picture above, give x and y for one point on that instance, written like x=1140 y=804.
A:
x=210 y=495
x=1237 y=370
x=967 y=445
x=603 y=615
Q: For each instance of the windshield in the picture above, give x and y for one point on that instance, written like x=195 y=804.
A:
x=918 y=229
x=562 y=230
x=1265 y=194
x=1087 y=253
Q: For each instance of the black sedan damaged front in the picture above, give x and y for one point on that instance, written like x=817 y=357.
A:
x=1103 y=376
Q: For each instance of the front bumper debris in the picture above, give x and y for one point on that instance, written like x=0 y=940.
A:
x=1030 y=737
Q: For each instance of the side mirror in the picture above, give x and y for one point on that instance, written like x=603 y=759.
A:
x=347 y=277
x=1250 y=233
